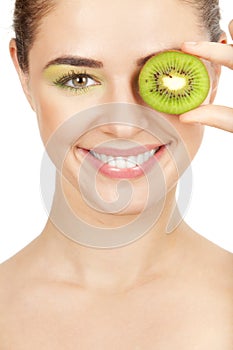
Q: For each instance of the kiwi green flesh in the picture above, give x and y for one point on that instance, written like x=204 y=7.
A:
x=188 y=86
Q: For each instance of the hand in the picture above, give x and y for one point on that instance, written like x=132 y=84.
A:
x=218 y=116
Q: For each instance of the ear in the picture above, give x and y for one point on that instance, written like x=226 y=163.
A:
x=217 y=70
x=24 y=77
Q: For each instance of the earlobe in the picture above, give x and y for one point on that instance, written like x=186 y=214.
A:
x=22 y=75
x=223 y=38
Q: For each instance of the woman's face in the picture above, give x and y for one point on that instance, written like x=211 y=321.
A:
x=117 y=37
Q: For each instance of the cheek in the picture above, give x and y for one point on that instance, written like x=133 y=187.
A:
x=51 y=112
x=53 y=108
x=193 y=139
x=190 y=135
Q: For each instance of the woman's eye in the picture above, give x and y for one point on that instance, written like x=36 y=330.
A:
x=77 y=82
x=80 y=81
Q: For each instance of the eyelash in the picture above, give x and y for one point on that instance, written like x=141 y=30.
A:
x=72 y=75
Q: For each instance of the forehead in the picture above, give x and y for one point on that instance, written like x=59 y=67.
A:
x=117 y=27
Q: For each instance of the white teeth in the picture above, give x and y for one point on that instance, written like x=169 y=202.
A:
x=112 y=163
x=140 y=159
x=98 y=156
x=125 y=162
x=108 y=159
x=131 y=161
x=130 y=164
x=104 y=158
x=120 y=163
x=146 y=156
x=153 y=151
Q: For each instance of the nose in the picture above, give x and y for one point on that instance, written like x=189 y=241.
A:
x=121 y=131
x=126 y=118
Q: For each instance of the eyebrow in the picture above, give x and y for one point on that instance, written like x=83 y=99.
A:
x=75 y=61
x=78 y=61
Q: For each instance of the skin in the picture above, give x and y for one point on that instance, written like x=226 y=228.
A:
x=165 y=289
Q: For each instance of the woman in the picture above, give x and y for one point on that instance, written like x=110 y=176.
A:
x=78 y=63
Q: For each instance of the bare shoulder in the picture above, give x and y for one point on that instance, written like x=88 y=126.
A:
x=8 y=291
x=10 y=275
x=221 y=259
x=21 y=278
x=215 y=264
x=16 y=276
x=206 y=275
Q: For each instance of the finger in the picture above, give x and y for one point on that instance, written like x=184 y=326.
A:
x=211 y=115
x=215 y=52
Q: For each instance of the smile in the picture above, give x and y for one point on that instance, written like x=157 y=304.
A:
x=124 y=162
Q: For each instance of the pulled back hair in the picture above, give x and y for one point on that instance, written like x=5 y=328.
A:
x=209 y=13
x=26 y=23
x=28 y=15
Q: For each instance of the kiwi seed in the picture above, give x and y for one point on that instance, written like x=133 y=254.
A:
x=174 y=82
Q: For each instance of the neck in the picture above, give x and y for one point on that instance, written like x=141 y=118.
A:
x=119 y=268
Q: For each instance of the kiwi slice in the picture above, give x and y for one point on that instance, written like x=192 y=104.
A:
x=174 y=82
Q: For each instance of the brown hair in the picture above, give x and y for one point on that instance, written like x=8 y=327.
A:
x=29 y=13
x=27 y=18
x=209 y=13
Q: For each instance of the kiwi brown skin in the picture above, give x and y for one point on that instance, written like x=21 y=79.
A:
x=174 y=82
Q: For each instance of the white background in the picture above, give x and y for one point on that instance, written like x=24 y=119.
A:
x=22 y=213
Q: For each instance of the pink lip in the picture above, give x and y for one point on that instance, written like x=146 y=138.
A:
x=127 y=173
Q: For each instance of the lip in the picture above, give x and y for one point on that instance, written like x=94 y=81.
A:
x=127 y=173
